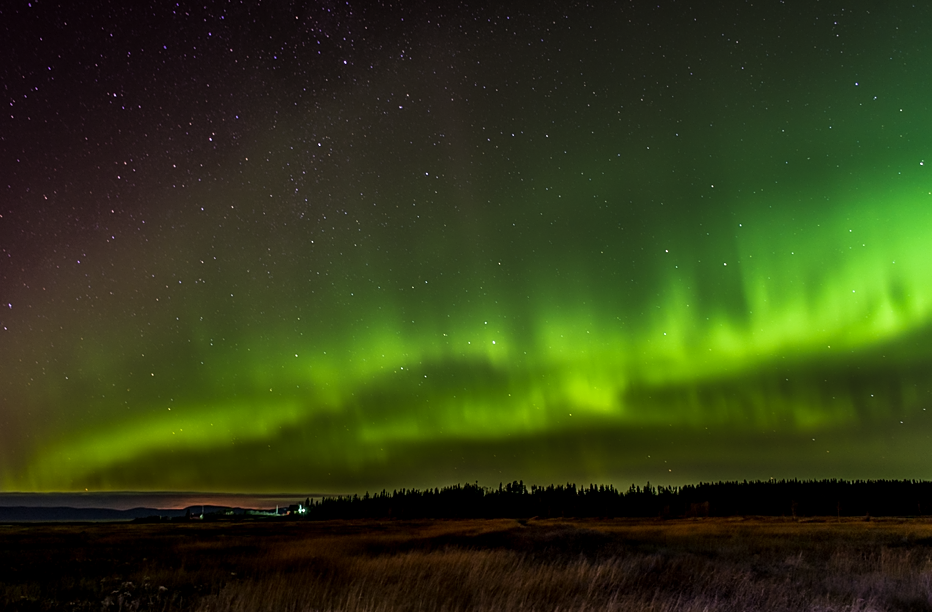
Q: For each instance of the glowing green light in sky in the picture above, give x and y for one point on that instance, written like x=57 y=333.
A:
x=847 y=285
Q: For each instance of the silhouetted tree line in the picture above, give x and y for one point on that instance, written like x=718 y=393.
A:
x=761 y=498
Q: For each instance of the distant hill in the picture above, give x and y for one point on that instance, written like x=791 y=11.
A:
x=23 y=514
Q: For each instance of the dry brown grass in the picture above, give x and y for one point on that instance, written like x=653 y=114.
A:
x=687 y=565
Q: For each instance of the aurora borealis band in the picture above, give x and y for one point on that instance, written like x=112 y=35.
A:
x=336 y=246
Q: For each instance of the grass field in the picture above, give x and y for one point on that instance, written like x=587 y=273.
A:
x=699 y=564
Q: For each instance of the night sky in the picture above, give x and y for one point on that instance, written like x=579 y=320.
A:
x=332 y=246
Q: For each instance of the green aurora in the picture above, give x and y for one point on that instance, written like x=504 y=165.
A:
x=585 y=262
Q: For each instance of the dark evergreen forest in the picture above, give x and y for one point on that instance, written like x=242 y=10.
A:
x=790 y=498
